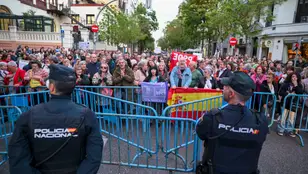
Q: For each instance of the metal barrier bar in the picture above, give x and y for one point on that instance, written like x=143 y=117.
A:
x=102 y=103
x=294 y=114
x=183 y=111
x=147 y=151
x=24 y=100
x=6 y=129
x=129 y=93
x=264 y=102
x=5 y=90
x=188 y=109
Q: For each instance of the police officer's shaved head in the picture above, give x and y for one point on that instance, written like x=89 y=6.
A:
x=238 y=87
x=62 y=80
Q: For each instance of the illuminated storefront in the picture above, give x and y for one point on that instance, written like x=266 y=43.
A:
x=303 y=51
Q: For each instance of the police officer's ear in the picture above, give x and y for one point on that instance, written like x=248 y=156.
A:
x=52 y=88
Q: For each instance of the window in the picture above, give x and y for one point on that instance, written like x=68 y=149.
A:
x=302 y=11
x=75 y=16
x=90 y=19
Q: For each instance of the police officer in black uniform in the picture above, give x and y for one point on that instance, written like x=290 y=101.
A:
x=58 y=137
x=233 y=136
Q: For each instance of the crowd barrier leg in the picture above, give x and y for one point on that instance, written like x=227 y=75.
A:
x=294 y=114
x=7 y=124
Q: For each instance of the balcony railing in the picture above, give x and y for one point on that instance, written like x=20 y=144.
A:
x=4 y=35
x=28 y=2
x=41 y=4
x=30 y=36
x=37 y=36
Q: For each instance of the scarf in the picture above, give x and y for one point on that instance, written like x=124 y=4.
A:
x=179 y=73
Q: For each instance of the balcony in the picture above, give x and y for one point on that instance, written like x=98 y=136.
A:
x=38 y=36
x=41 y=4
x=286 y=29
x=9 y=39
x=27 y=2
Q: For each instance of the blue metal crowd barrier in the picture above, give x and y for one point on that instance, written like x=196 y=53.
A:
x=12 y=105
x=129 y=93
x=294 y=117
x=132 y=144
x=24 y=100
x=5 y=90
x=6 y=129
x=137 y=135
x=102 y=103
x=193 y=109
x=264 y=102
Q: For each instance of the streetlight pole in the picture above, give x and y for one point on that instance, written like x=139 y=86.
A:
x=96 y=19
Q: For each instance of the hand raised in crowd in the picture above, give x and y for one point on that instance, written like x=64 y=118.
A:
x=78 y=79
x=122 y=73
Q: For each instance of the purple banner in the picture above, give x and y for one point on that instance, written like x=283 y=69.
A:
x=154 y=92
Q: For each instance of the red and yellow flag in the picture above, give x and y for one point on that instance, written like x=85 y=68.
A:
x=193 y=110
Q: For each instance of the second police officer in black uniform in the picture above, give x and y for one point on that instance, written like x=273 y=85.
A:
x=58 y=137
x=233 y=136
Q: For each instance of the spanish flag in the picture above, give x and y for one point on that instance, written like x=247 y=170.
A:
x=210 y=98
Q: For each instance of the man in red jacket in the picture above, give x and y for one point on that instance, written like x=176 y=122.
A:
x=15 y=76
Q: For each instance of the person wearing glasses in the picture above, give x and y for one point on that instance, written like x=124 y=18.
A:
x=103 y=78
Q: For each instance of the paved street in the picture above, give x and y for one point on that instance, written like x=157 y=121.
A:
x=280 y=155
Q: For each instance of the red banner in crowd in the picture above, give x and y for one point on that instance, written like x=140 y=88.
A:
x=193 y=110
x=176 y=55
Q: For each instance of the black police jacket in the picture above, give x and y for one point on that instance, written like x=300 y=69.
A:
x=238 y=150
x=44 y=128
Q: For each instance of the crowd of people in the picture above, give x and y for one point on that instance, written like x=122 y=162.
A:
x=114 y=68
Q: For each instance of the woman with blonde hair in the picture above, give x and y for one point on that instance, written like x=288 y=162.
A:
x=82 y=79
x=142 y=72
x=103 y=78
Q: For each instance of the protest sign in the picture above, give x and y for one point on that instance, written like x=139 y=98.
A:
x=154 y=92
x=22 y=63
x=176 y=55
x=83 y=45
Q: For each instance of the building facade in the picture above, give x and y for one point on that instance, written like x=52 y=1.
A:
x=290 y=26
x=21 y=21
x=131 y=5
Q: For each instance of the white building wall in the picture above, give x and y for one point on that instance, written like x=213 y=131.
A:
x=83 y=11
x=131 y=5
x=277 y=48
x=283 y=30
x=18 y=8
x=285 y=12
